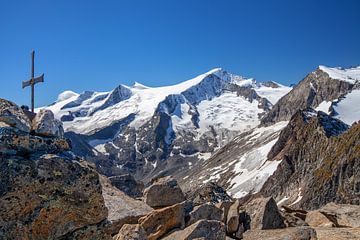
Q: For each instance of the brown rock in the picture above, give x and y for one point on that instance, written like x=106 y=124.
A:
x=131 y=232
x=318 y=219
x=346 y=215
x=203 y=229
x=297 y=233
x=163 y=192
x=338 y=233
x=47 y=197
x=225 y=206
x=232 y=223
x=159 y=222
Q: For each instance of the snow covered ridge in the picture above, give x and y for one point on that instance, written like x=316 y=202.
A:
x=87 y=112
x=351 y=75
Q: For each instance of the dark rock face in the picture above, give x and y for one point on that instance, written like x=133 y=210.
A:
x=310 y=92
x=320 y=162
x=119 y=94
x=127 y=184
x=208 y=193
x=206 y=211
x=47 y=196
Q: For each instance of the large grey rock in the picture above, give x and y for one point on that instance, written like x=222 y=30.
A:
x=208 y=193
x=297 y=233
x=261 y=213
x=45 y=124
x=122 y=208
x=206 y=211
x=131 y=232
x=12 y=115
x=163 y=192
x=203 y=229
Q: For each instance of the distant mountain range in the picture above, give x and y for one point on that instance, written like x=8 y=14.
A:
x=215 y=127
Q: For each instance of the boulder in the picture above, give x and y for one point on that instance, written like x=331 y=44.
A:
x=47 y=197
x=346 y=215
x=45 y=124
x=232 y=223
x=122 y=208
x=202 y=229
x=224 y=206
x=209 y=193
x=261 y=213
x=206 y=211
x=160 y=221
x=293 y=217
x=317 y=219
x=163 y=192
x=296 y=233
x=337 y=233
x=131 y=232
x=16 y=142
x=127 y=184
x=12 y=115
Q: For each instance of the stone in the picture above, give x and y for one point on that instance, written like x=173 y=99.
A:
x=262 y=213
x=122 y=208
x=317 y=219
x=163 y=192
x=16 y=142
x=209 y=193
x=45 y=124
x=296 y=233
x=131 y=232
x=160 y=221
x=224 y=206
x=346 y=215
x=47 y=197
x=127 y=184
x=232 y=223
x=206 y=211
x=12 y=115
x=337 y=233
x=202 y=229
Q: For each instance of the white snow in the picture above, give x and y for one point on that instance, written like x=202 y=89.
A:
x=348 y=109
x=324 y=107
x=299 y=197
x=272 y=94
x=252 y=169
x=350 y=75
x=66 y=95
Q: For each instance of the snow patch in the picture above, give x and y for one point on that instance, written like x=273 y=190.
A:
x=350 y=75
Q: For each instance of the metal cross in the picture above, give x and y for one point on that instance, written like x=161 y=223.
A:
x=32 y=81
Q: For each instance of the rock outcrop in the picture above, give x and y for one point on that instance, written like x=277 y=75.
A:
x=206 y=211
x=208 y=193
x=298 y=233
x=13 y=116
x=310 y=92
x=45 y=124
x=131 y=232
x=320 y=162
x=163 y=192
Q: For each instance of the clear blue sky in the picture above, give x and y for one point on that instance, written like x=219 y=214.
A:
x=97 y=45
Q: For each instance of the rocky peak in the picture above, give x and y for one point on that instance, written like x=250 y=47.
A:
x=315 y=88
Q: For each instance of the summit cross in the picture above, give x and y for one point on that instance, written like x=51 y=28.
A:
x=32 y=81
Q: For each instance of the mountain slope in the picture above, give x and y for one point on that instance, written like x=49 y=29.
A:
x=320 y=87
x=157 y=131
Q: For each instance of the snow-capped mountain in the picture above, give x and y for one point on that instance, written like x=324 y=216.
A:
x=150 y=131
x=244 y=164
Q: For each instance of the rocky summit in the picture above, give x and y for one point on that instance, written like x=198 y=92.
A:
x=216 y=157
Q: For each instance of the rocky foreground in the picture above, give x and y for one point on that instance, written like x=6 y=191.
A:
x=46 y=192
